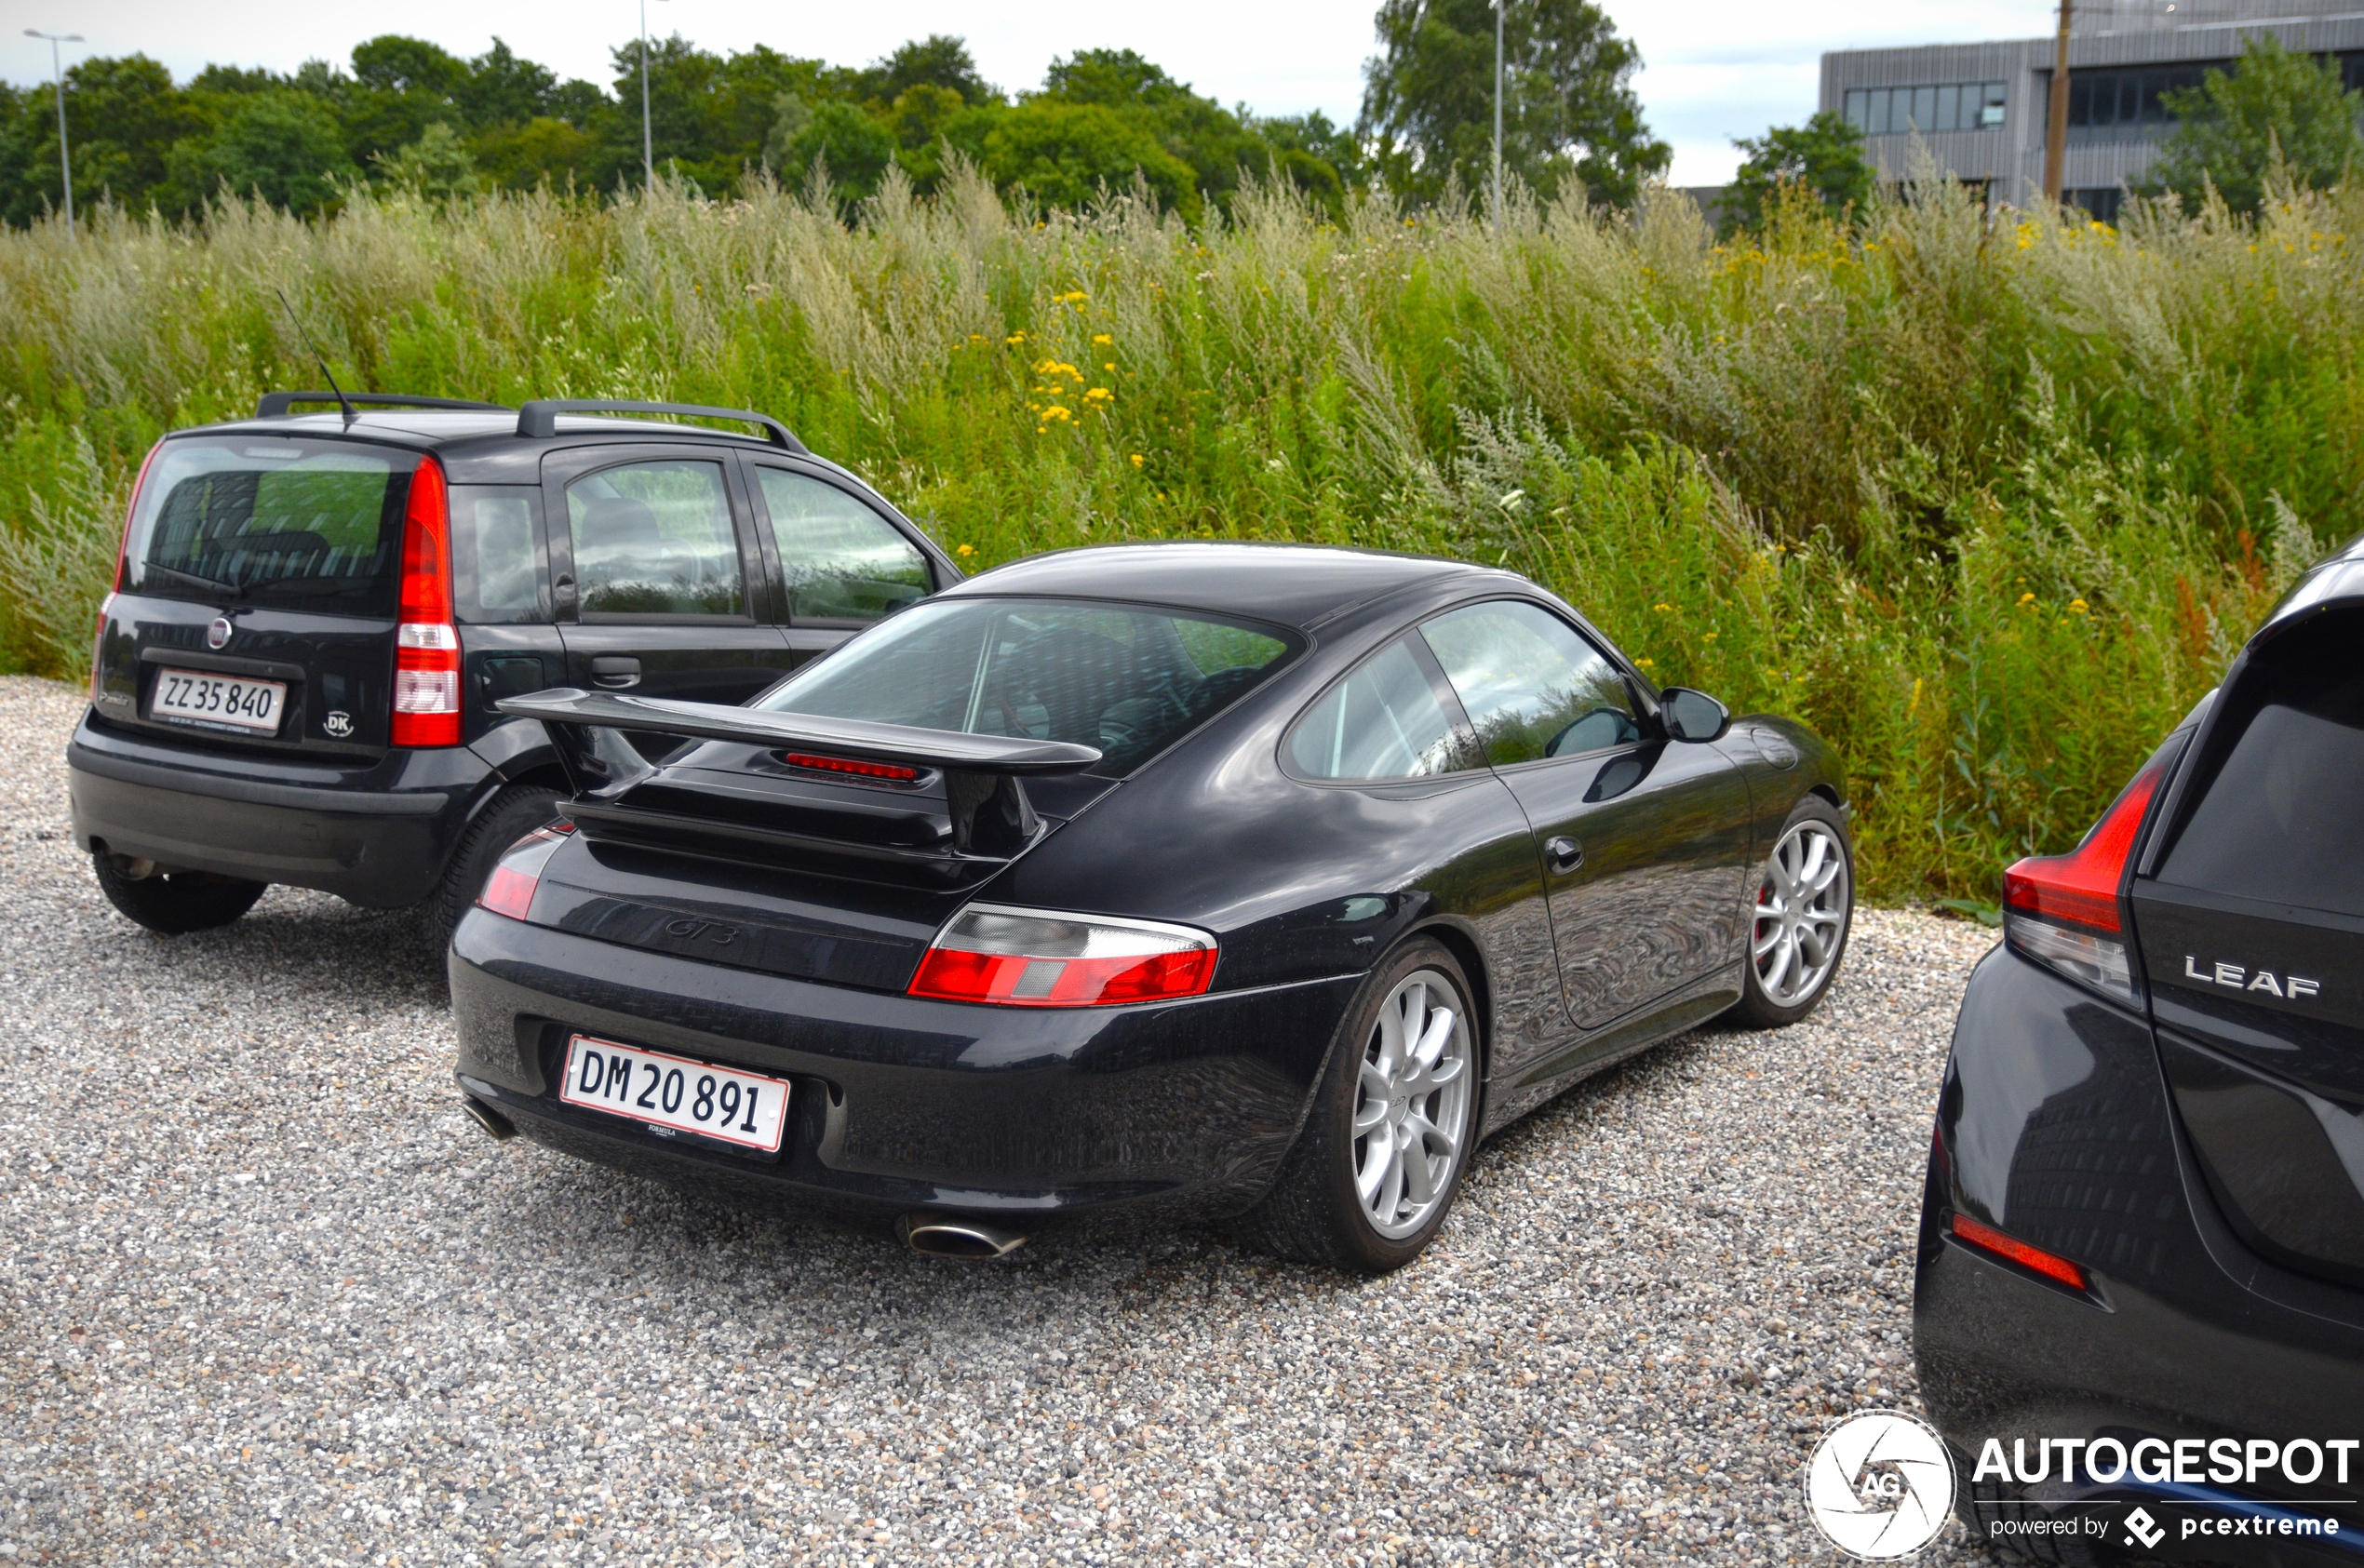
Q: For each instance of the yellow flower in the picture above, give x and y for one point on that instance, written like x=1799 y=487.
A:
x=2027 y=598
x=1102 y=337
x=1646 y=663
x=1014 y=338
x=1111 y=365
x=1057 y=411
x=1663 y=609
x=1099 y=395
x=966 y=550
x=1708 y=637
x=1137 y=460
x=2076 y=606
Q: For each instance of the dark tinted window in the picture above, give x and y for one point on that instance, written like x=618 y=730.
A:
x=305 y=525
x=1128 y=681
x=656 y=539
x=2283 y=820
x=843 y=561
x=1381 y=722
x=1531 y=685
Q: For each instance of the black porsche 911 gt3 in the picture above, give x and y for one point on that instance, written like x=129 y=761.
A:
x=1222 y=879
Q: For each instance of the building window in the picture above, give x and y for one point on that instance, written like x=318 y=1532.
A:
x=2124 y=105
x=1953 y=106
x=2099 y=204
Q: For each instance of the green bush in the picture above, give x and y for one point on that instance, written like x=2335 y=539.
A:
x=1989 y=504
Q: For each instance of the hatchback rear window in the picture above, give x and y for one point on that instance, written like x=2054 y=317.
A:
x=1128 y=680
x=2281 y=821
x=303 y=525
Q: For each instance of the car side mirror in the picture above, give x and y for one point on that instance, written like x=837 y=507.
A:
x=1693 y=716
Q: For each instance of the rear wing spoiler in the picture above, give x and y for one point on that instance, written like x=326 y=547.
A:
x=982 y=773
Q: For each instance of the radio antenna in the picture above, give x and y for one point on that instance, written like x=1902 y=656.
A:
x=351 y=414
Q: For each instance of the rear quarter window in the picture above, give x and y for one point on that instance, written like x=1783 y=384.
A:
x=2281 y=820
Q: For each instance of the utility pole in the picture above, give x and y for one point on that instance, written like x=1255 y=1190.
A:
x=1500 y=6
x=648 y=144
x=65 y=159
x=2056 y=134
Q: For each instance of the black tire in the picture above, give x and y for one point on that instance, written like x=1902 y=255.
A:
x=1757 y=1008
x=1314 y=1213
x=174 y=902
x=506 y=818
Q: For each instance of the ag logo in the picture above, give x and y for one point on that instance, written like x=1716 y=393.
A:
x=338 y=723
x=218 y=634
x=1879 y=1485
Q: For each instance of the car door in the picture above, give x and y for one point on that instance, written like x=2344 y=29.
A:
x=843 y=563
x=1644 y=842
x=663 y=590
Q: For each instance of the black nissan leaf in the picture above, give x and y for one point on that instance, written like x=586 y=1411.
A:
x=1218 y=879
x=2139 y=1304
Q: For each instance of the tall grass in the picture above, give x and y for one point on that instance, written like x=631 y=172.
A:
x=1990 y=503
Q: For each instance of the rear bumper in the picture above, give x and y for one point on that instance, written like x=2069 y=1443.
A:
x=901 y=1103
x=378 y=833
x=2055 y=1127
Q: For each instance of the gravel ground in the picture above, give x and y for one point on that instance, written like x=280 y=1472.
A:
x=265 y=1296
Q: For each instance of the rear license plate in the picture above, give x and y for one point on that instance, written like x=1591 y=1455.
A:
x=676 y=1094
x=226 y=700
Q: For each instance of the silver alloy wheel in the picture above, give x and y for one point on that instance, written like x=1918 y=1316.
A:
x=1412 y=1105
x=1801 y=915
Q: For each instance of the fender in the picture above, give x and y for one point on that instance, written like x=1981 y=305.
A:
x=516 y=748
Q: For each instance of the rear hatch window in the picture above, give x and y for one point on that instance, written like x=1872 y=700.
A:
x=299 y=525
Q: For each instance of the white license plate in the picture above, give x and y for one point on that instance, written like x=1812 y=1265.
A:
x=195 y=697
x=676 y=1094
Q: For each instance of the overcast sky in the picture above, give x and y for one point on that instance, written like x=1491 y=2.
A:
x=1712 y=69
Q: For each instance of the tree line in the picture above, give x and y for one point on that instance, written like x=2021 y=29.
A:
x=406 y=112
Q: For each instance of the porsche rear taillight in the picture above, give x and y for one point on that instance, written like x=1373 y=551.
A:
x=426 y=643
x=1032 y=957
x=510 y=889
x=2062 y=910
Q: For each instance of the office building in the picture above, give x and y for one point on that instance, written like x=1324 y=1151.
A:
x=1982 y=109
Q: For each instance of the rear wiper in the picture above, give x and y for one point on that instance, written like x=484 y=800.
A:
x=234 y=590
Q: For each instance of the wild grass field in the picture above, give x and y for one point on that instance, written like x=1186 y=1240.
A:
x=1988 y=499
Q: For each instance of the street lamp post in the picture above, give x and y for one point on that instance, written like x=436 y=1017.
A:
x=65 y=158
x=1500 y=6
x=648 y=144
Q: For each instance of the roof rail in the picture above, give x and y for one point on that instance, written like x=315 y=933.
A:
x=275 y=404
x=540 y=417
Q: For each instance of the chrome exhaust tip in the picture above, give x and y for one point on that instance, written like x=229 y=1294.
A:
x=949 y=1236
x=498 y=1126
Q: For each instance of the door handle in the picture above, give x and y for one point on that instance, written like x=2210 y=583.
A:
x=615 y=671
x=1563 y=855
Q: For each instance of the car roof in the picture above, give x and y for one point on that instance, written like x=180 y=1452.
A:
x=2337 y=579
x=1292 y=584
x=487 y=441
x=436 y=428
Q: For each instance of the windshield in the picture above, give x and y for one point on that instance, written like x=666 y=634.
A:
x=1127 y=680
x=304 y=525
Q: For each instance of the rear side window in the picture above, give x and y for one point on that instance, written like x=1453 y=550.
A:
x=1381 y=722
x=2283 y=819
x=496 y=553
x=656 y=539
x=1127 y=680
x=1532 y=687
x=292 y=524
x=843 y=561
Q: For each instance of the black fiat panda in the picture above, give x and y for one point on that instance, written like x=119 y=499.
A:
x=313 y=615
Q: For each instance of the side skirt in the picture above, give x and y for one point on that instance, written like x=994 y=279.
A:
x=1674 y=1013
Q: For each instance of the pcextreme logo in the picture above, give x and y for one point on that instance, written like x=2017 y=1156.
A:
x=1879 y=1485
